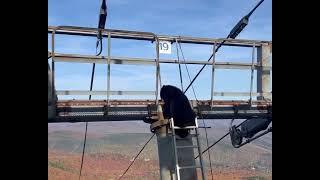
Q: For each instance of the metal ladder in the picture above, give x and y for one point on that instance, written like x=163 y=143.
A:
x=175 y=149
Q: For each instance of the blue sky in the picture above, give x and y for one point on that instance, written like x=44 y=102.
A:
x=197 y=18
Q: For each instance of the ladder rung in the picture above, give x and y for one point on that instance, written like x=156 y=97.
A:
x=194 y=135
x=187 y=127
x=189 y=167
x=187 y=146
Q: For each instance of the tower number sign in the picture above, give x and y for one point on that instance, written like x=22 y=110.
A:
x=164 y=47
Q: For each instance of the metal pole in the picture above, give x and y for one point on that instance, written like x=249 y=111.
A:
x=201 y=159
x=167 y=163
x=213 y=68
x=264 y=55
x=51 y=100
x=251 y=82
x=108 y=73
x=166 y=156
x=51 y=88
x=52 y=61
x=157 y=70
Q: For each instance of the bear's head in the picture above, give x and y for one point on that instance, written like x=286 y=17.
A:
x=169 y=92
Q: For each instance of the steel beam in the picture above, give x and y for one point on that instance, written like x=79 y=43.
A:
x=135 y=110
x=145 y=102
x=84 y=92
x=73 y=58
x=147 y=36
x=241 y=94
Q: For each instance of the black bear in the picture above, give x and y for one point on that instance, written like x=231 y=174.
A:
x=177 y=106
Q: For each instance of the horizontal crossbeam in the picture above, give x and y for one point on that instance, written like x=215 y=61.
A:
x=135 y=110
x=240 y=94
x=138 y=35
x=83 y=92
x=219 y=64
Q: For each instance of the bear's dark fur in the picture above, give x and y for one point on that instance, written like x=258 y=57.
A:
x=177 y=106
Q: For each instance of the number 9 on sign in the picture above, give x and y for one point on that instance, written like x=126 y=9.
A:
x=164 y=47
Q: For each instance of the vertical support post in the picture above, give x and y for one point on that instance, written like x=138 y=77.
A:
x=264 y=55
x=52 y=98
x=108 y=71
x=167 y=163
x=252 y=69
x=166 y=156
x=213 y=68
x=200 y=155
x=157 y=69
x=52 y=62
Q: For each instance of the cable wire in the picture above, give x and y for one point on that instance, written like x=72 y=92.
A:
x=136 y=157
x=181 y=81
x=194 y=93
x=233 y=34
x=85 y=134
x=219 y=140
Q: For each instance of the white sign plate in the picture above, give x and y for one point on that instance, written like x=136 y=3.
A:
x=164 y=47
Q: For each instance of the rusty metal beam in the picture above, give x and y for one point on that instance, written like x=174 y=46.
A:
x=135 y=110
x=142 y=102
